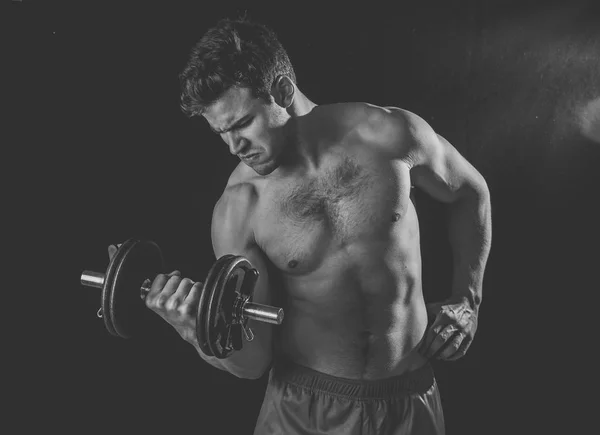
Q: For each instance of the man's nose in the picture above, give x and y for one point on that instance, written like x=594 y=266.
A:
x=235 y=142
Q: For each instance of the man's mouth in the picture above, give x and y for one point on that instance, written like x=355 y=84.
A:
x=249 y=157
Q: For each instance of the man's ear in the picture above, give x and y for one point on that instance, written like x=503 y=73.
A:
x=283 y=91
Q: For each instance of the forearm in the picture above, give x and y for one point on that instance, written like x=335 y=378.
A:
x=470 y=232
x=255 y=356
x=251 y=361
x=215 y=362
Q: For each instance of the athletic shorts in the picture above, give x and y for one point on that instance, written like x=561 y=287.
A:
x=299 y=400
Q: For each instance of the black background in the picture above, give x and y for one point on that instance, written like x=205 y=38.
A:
x=98 y=151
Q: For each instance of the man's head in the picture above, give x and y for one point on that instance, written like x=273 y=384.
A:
x=239 y=77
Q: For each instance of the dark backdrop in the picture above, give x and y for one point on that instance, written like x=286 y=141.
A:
x=99 y=151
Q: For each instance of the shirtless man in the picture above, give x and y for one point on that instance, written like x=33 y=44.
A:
x=320 y=204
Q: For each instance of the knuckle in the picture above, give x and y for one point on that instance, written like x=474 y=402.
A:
x=185 y=310
x=186 y=282
x=444 y=335
x=171 y=304
x=159 y=280
x=150 y=302
x=193 y=296
x=159 y=302
x=174 y=278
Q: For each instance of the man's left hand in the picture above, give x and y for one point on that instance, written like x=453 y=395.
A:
x=451 y=333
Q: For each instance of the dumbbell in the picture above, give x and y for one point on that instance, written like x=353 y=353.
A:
x=224 y=307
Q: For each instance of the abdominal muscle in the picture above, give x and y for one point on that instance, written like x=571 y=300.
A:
x=353 y=320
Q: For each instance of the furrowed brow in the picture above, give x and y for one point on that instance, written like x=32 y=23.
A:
x=232 y=126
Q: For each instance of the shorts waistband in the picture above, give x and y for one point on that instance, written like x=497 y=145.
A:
x=414 y=382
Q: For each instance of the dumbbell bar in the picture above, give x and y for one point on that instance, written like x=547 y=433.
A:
x=223 y=309
x=251 y=310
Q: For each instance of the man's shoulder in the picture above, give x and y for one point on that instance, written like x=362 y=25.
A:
x=383 y=128
x=238 y=196
x=232 y=214
x=368 y=118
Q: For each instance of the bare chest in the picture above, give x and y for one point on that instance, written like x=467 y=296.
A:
x=350 y=202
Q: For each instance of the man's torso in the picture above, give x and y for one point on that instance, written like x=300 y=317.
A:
x=345 y=264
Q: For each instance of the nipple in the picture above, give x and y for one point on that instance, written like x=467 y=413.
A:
x=292 y=264
x=395 y=217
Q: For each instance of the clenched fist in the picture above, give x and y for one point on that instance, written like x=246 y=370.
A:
x=175 y=299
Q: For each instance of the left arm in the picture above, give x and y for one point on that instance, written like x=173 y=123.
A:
x=441 y=171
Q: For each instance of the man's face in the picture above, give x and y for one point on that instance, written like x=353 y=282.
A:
x=252 y=129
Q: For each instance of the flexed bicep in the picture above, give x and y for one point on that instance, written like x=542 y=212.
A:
x=232 y=234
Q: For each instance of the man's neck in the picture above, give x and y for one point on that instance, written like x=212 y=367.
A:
x=301 y=106
x=301 y=150
x=302 y=155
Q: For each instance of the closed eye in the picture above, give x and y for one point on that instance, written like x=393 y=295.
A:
x=236 y=127
x=243 y=124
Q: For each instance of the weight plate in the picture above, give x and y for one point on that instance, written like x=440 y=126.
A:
x=109 y=277
x=138 y=260
x=207 y=289
x=219 y=315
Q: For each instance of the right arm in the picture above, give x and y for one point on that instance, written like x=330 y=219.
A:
x=232 y=233
x=175 y=298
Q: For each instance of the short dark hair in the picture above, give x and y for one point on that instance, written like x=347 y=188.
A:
x=232 y=53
